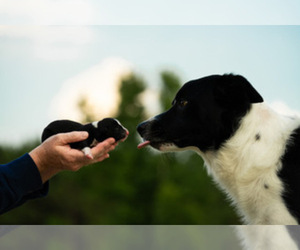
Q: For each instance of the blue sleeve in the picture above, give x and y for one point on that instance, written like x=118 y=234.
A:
x=20 y=181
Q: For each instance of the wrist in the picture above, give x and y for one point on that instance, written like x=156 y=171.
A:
x=38 y=155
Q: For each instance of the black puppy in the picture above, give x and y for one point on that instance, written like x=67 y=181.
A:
x=98 y=132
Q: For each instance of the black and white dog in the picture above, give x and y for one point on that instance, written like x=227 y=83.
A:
x=98 y=132
x=252 y=152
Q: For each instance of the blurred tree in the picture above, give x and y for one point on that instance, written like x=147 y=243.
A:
x=170 y=85
x=133 y=186
x=86 y=110
x=131 y=109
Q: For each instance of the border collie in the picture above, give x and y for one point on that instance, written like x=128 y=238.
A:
x=252 y=152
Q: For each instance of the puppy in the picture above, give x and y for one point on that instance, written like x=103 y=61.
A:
x=252 y=152
x=98 y=132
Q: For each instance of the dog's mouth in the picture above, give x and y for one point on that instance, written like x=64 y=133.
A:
x=152 y=143
x=159 y=145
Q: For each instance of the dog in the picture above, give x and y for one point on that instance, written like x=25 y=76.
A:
x=98 y=132
x=251 y=152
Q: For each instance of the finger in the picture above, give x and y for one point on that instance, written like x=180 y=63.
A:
x=102 y=152
x=78 y=156
x=109 y=141
x=103 y=146
x=85 y=161
x=102 y=158
x=71 y=137
x=102 y=149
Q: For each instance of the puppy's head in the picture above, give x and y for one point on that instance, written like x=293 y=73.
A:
x=110 y=127
x=204 y=114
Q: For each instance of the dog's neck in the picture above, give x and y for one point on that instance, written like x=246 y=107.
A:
x=246 y=165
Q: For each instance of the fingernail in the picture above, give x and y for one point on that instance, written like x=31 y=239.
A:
x=90 y=156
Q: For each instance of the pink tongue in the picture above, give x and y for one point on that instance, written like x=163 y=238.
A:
x=143 y=144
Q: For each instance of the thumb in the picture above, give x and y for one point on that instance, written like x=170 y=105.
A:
x=76 y=136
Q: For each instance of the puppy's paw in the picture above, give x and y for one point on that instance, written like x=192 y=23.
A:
x=87 y=153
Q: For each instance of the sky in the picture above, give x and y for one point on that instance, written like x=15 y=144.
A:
x=53 y=52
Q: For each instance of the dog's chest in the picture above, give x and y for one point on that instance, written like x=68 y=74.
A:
x=246 y=167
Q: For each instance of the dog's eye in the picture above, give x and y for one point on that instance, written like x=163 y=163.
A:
x=183 y=103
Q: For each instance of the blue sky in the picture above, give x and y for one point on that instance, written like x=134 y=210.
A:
x=43 y=67
x=155 y=12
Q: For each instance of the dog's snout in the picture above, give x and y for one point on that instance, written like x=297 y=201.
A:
x=141 y=128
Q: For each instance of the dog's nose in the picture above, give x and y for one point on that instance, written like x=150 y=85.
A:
x=142 y=127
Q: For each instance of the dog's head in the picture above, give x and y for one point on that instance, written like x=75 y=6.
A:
x=109 y=127
x=204 y=114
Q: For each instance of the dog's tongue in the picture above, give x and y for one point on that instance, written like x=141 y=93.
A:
x=143 y=144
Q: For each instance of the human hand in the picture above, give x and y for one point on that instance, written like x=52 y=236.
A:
x=55 y=154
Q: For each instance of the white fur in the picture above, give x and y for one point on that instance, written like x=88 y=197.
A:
x=265 y=238
x=87 y=151
x=120 y=124
x=244 y=166
x=95 y=124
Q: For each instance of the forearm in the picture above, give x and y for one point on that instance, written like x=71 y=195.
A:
x=20 y=180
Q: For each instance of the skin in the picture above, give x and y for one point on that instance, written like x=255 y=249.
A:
x=55 y=154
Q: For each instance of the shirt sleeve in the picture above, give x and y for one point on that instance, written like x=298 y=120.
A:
x=20 y=181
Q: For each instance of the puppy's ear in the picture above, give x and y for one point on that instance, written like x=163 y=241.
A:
x=236 y=89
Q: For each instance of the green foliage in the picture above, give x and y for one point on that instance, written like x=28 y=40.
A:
x=133 y=186
x=87 y=110
x=170 y=85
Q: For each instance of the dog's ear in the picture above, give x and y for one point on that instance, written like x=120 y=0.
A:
x=236 y=89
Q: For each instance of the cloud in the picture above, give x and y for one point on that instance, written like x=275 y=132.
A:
x=52 y=43
x=150 y=98
x=99 y=84
x=168 y=12
x=48 y=12
x=283 y=109
x=61 y=43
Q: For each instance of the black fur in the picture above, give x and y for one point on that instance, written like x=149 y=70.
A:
x=106 y=128
x=290 y=175
x=204 y=113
